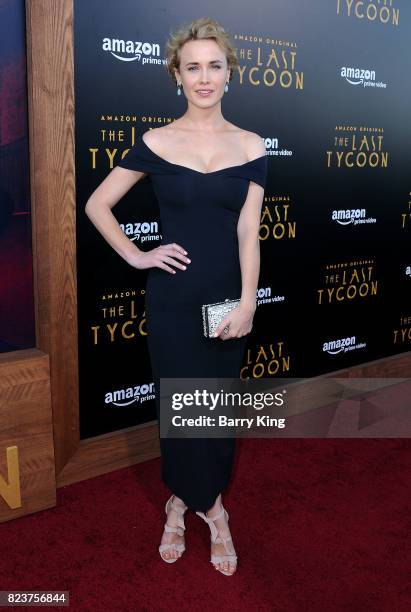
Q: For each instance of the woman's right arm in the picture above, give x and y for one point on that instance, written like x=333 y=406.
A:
x=98 y=209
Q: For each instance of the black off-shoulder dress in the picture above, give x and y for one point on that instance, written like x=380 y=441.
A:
x=200 y=212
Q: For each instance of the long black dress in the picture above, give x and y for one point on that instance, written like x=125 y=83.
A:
x=200 y=212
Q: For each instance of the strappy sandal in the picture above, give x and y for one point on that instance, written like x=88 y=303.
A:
x=179 y=529
x=230 y=555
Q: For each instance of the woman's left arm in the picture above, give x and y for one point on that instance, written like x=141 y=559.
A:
x=249 y=246
x=240 y=319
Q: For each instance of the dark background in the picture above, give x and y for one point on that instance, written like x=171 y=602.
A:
x=303 y=121
x=16 y=260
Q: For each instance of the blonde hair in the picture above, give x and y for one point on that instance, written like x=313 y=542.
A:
x=199 y=29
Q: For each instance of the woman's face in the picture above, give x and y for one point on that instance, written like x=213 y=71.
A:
x=203 y=71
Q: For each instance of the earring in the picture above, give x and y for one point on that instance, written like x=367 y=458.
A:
x=226 y=87
x=179 y=90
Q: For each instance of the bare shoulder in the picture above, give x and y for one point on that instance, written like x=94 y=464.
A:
x=154 y=136
x=253 y=144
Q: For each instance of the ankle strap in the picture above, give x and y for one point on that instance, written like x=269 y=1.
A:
x=210 y=520
x=217 y=516
x=175 y=507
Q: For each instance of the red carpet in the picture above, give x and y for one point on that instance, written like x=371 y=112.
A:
x=319 y=525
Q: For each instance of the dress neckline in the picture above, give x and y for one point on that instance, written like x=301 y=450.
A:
x=199 y=171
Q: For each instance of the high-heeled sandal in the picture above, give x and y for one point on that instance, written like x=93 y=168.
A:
x=230 y=556
x=179 y=529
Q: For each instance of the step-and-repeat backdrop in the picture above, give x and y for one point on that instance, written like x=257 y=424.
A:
x=327 y=85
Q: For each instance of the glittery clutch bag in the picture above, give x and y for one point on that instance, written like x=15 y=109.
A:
x=213 y=314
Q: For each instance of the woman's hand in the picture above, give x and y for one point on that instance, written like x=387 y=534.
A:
x=159 y=258
x=239 y=322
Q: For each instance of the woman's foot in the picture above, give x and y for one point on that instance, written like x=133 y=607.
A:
x=221 y=549
x=172 y=542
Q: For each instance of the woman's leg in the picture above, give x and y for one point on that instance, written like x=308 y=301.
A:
x=223 y=532
x=172 y=537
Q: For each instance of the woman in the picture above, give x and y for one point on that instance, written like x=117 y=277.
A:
x=209 y=177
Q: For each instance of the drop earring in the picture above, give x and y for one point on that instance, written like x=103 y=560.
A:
x=226 y=87
x=179 y=90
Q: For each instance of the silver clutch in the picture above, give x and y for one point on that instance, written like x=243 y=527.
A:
x=213 y=314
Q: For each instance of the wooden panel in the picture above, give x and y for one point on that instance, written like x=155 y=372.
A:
x=395 y=366
x=112 y=451
x=27 y=475
x=50 y=70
